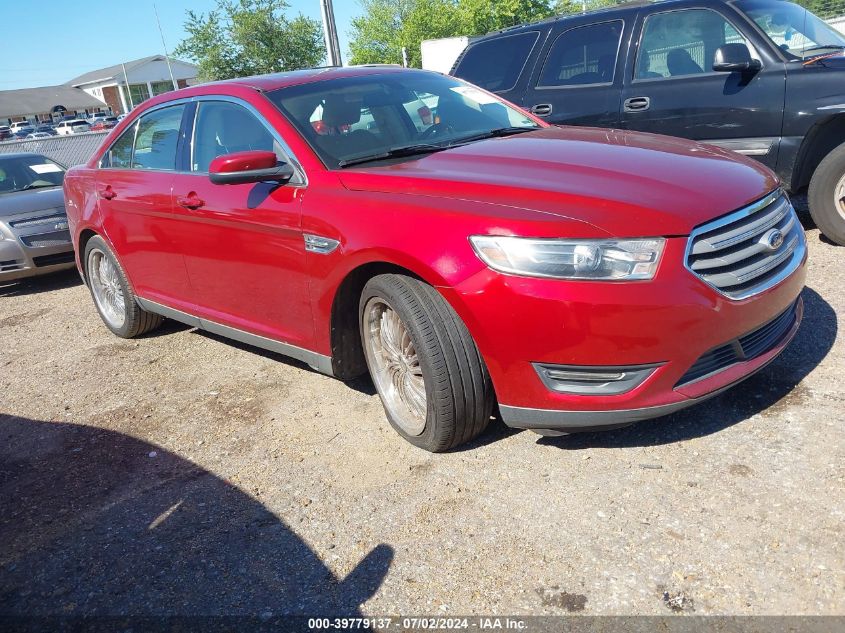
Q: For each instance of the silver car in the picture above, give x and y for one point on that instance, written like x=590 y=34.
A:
x=34 y=236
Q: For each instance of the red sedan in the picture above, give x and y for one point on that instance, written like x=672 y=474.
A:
x=462 y=251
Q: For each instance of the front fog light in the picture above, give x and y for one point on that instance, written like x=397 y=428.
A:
x=585 y=380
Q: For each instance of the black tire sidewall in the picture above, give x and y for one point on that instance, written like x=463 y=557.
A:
x=382 y=288
x=820 y=195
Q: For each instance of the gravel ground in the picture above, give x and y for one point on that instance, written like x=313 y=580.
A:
x=183 y=474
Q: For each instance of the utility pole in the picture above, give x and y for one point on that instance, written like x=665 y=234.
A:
x=330 y=34
x=166 y=56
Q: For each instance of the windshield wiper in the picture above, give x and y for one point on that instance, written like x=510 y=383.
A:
x=33 y=185
x=821 y=47
x=426 y=148
x=393 y=152
x=497 y=132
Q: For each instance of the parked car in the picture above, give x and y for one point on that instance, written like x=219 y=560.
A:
x=34 y=237
x=37 y=135
x=17 y=126
x=579 y=278
x=765 y=78
x=5 y=132
x=97 y=116
x=46 y=129
x=74 y=126
x=104 y=124
x=22 y=132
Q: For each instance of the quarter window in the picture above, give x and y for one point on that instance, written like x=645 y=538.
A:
x=583 y=55
x=223 y=128
x=680 y=43
x=156 y=140
x=497 y=63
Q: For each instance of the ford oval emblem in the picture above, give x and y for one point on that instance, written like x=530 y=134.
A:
x=773 y=239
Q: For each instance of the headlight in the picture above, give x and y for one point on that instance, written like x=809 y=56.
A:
x=570 y=259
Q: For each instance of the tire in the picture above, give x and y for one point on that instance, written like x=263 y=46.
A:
x=827 y=196
x=104 y=276
x=436 y=348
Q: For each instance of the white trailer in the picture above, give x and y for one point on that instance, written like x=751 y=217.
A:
x=441 y=54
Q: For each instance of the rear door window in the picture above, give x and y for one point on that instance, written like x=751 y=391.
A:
x=583 y=55
x=497 y=63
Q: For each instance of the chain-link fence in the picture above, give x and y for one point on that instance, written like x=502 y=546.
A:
x=70 y=150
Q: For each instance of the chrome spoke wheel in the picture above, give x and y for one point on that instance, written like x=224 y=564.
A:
x=395 y=366
x=106 y=287
x=839 y=196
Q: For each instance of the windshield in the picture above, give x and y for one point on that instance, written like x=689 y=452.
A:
x=353 y=118
x=796 y=31
x=30 y=171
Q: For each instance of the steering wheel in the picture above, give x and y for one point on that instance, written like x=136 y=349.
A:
x=434 y=130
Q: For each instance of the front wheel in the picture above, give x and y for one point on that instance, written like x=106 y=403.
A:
x=827 y=195
x=112 y=293
x=425 y=366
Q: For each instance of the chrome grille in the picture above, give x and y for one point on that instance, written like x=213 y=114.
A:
x=749 y=250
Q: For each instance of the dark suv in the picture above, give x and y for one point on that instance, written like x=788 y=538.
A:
x=765 y=78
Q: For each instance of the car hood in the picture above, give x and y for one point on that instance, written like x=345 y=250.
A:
x=627 y=183
x=32 y=200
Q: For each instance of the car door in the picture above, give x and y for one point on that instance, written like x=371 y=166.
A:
x=246 y=254
x=134 y=189
x=671 y=87
x=579 y=80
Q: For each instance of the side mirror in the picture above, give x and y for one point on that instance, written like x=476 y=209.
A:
x=734 y=58
x=244 y=167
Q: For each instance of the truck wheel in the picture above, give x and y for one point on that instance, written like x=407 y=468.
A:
x=112 y=293
x=827 y=196
x=429 y=374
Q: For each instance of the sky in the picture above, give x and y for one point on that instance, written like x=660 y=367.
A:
x=56 y=43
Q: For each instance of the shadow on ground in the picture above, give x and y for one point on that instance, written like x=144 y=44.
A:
x=37 y=285
x=775 y=386
x=93 y=525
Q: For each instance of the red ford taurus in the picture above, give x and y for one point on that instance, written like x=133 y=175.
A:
x=463 y=252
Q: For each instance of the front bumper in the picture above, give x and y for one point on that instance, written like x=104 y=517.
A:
x=34 y=243
x=671 y=321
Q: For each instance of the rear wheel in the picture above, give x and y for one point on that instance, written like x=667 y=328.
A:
x=112 y=293
x=827 y=195
x=425 y=366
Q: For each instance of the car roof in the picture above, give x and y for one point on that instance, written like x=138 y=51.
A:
x=274 y=81
x=615 y=10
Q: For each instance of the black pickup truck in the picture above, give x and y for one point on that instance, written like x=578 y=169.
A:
x=765 y=78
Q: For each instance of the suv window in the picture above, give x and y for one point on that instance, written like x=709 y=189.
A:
x=155 y=142
x=583 y=55
x=496 y=64
x=684 y=42
x=223 y=128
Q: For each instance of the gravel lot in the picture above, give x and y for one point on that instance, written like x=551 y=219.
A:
x=183 y=474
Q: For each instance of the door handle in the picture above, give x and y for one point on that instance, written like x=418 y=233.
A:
x=107 y=193
x=637 y=104
x=542 y=109
x=191 y=201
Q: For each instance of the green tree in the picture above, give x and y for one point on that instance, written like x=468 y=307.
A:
x=387 y=25
x=250 y=37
